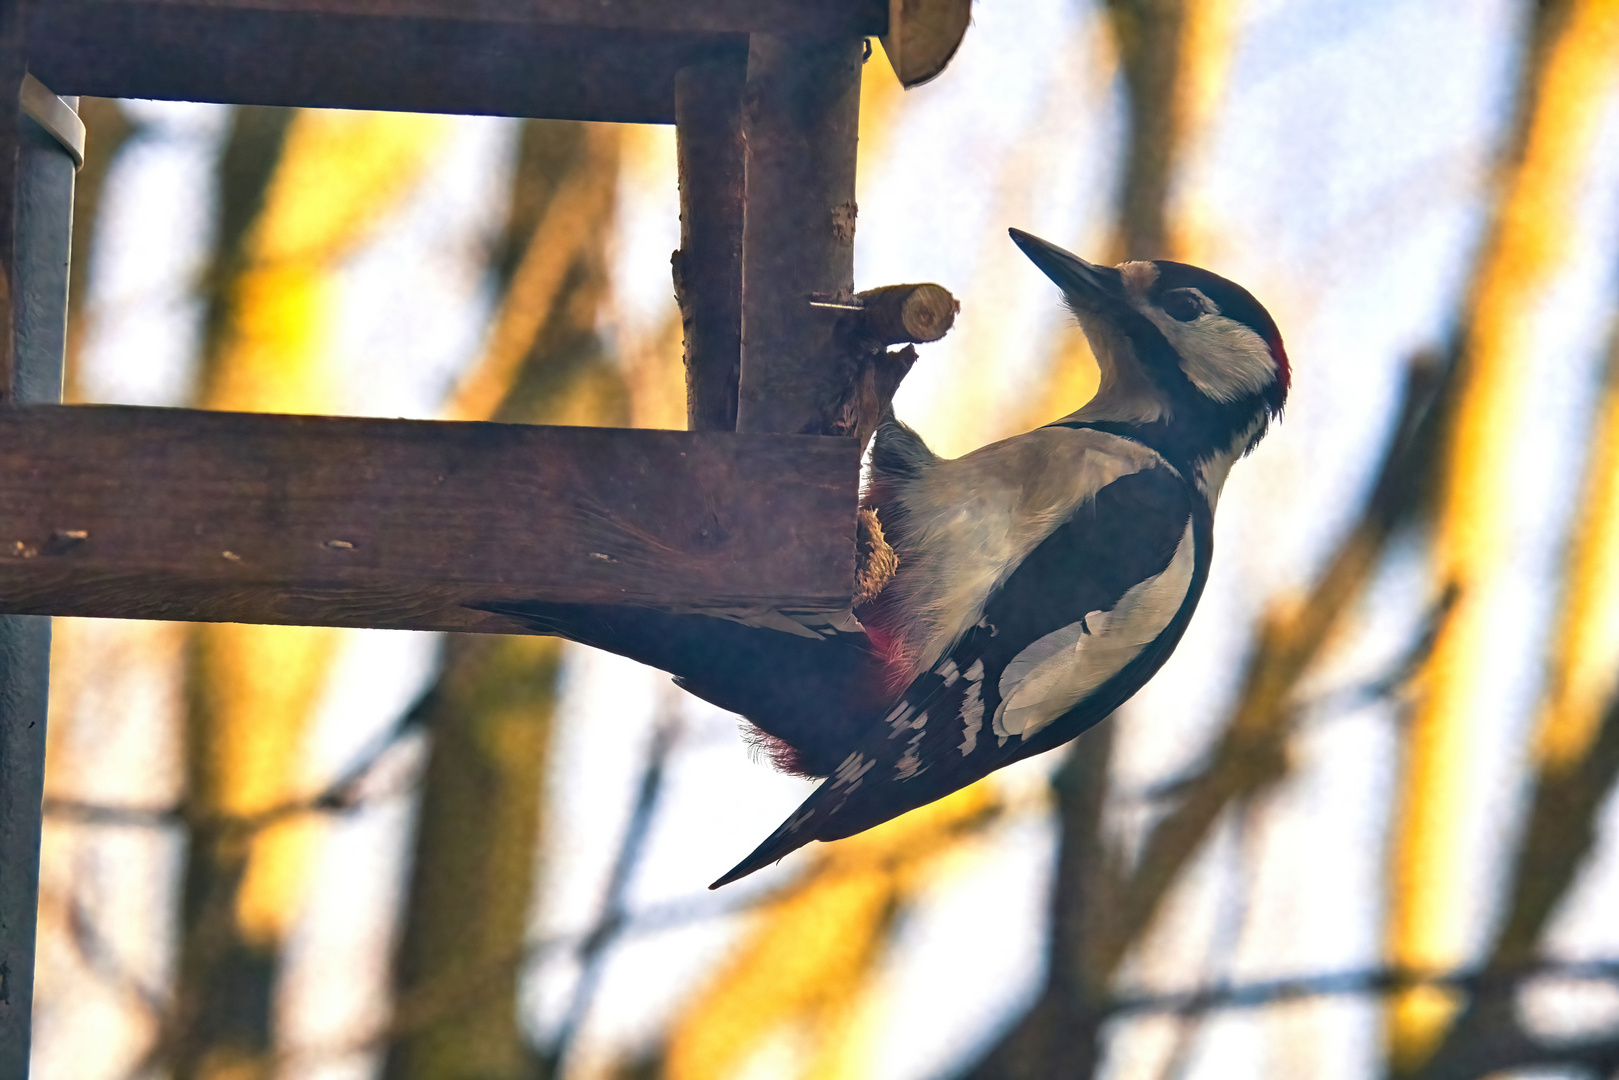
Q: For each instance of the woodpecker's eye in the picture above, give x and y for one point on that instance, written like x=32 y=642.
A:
x=1182 y=304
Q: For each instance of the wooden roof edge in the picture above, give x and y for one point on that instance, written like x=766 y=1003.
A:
x=831 y=18
x=923 y=36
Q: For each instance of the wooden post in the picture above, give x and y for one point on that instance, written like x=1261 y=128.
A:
x=708 y=266
x=801 y=112
x=36 y=219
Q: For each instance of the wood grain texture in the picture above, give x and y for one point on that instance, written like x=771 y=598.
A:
x=180 y=514
x=611 y=60
x=708 y=266
x=800 y=122
x=907 y=314
x=827 y=17
x=347 y=61
x=923 y=36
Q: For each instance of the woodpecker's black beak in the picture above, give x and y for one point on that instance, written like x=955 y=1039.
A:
x=1100 y=287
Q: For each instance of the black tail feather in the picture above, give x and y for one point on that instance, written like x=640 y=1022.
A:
x=778 y=845
x=814 y=696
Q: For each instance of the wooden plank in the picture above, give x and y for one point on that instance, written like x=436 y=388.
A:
x=359 y=62
x=828 y=18
x=800 y=123
x=609 y=60
x=180 y=514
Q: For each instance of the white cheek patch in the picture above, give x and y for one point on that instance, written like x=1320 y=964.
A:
x=1222 y=357
x=1066 y=666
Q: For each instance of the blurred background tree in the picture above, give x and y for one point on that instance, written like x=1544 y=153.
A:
x=1362 y=825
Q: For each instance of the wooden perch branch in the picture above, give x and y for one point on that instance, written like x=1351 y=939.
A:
x=814 y=357
x=870 y=373
x=907 y=314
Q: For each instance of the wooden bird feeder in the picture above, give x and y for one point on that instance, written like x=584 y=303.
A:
x=331 y=521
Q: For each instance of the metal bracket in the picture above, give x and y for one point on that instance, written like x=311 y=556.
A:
x=55 y=116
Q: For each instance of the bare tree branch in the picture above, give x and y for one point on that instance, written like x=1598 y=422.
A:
x=614 y=912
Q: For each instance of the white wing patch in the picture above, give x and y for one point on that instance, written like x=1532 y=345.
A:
x=911 y=764
x=975 y=518
x=972 y=708
x=853 y=769
x=1061 y=669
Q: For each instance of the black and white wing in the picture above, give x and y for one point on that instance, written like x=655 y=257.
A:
x=1081 y=623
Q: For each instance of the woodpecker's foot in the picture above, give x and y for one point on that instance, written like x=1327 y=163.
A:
x=875 y=559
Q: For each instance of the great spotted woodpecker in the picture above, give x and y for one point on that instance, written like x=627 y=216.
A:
x=1041 y=580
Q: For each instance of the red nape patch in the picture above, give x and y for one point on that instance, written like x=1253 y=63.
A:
x=782 y=755
x=1284 y=367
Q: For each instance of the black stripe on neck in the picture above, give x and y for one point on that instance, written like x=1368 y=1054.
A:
x=1152 y=436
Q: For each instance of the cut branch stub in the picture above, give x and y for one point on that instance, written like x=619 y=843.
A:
x=870 y=373
x=907 y=314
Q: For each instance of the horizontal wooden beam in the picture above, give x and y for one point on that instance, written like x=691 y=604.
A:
x=609 y=60
x=359 y=62
x=180 y=514
x=828 y=18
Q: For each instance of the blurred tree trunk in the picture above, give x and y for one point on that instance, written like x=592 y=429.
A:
x=1149 y=35
x=490 y=711
x=1058 y=1038
x=298 y=191
x=1174 y=58
x=107 y=131
x=1572 y=45
x=1576 y=759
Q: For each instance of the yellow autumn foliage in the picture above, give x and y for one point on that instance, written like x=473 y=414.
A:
x=1584 y=675
x=810 y=957
x=1207 y=37
x=1477 y=508
x=254 y=687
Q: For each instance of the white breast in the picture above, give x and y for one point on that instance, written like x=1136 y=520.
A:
x=1061 y=669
